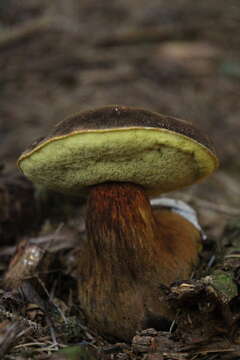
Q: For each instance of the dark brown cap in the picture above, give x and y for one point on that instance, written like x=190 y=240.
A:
x=117 y=143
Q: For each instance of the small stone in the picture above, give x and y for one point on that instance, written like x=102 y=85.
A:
x=148 y=332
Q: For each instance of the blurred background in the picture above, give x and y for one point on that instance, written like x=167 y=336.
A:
x=178 y=57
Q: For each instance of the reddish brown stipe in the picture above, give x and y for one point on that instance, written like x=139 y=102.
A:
x=131 y=252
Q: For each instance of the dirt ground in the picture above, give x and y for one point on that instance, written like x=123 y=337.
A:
x=179 y=57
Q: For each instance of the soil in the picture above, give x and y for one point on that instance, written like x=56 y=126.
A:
x=180 y=58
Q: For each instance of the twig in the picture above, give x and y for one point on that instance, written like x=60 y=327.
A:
x=211 y=261
x=232 y=256
x=53 y=236
x=53 y=334
x=11 y=335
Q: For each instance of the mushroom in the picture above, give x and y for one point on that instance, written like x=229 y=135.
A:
x=122 y=156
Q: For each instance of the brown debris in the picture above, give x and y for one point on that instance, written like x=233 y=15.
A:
x=9 y=335
x=18 y=212
x=23 y=265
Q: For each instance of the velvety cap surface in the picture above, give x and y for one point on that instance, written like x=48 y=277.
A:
x=116 y=143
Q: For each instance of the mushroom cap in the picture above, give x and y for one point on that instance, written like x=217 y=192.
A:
x=119 y=144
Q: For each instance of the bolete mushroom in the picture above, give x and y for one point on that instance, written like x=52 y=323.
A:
x=121 y=155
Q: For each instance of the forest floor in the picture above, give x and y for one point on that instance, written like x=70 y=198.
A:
x=181 y=58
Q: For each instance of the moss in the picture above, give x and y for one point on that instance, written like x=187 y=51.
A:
x=224 y=284
x=81 y=352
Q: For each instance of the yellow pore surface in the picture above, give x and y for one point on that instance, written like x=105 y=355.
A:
x=158 y=159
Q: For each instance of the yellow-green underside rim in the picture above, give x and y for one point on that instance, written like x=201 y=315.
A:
x=158 y=159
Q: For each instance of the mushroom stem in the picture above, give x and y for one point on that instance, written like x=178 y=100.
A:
x=129 y=254
x=120 y=226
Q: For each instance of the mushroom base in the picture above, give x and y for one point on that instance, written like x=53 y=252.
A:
x=131 y=251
